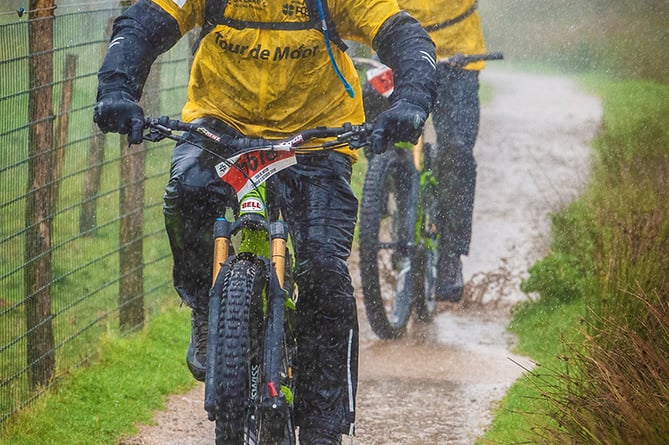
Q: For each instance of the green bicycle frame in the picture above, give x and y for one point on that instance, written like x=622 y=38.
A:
x=427 y=181
x=253 y=239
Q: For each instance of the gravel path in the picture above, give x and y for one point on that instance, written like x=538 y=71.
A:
x=440 y=384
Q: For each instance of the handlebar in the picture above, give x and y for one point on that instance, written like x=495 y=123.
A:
x=380 y=76
x=460 y=60
x=354 y=136
x=456 y=60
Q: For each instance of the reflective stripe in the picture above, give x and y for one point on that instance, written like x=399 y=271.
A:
x=116 y=41
x=430 y=60
x=351 y=405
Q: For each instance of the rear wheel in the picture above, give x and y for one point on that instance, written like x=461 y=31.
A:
x=387 y=241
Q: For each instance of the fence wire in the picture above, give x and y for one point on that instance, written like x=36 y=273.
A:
x=79 y=301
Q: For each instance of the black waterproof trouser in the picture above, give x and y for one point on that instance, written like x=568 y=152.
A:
x=455 y=116
x=320 y=208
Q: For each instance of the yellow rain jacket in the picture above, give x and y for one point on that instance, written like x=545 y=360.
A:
x=464 y=36
x=269 y=74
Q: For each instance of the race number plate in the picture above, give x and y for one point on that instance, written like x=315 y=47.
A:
x=382 y=80
x=245 y=170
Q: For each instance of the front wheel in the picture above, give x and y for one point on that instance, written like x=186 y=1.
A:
x=238 y=350
x=387 y=241
x=426 y=273
x=427 y=252
x=237 y=377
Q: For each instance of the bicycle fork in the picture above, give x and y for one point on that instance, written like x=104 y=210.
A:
x=274 y=395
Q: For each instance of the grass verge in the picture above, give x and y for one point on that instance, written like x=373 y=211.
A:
x=103 y=402
x=600 y=329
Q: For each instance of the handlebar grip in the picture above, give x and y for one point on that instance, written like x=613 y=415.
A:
x=172 y=124
x=495 y=56
x=461 y=60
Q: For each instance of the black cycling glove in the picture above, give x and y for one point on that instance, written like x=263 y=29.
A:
x=118 y=112
x=402 y=122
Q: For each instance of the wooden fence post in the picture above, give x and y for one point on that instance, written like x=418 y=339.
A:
x=131 y=290
x=63 y=122
x=131 y=295
x=39 y=214
x=93 y=174
x=131 y=208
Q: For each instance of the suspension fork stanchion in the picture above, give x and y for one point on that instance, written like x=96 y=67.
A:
x=276 y=309
x=412 y=222
x=417 y=152
x=221 y=245
x=411 y=155
x=279 y=237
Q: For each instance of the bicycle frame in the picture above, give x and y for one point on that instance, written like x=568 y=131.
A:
x=426 y=179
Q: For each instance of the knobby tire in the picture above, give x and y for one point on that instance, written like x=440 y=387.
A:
x=426 y=254
x=240 y=418
x=387 y=242
x=239 y=348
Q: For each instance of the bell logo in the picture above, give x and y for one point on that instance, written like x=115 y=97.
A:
x=252 y=205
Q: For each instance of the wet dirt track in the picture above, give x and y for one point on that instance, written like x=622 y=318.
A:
x=439 y=384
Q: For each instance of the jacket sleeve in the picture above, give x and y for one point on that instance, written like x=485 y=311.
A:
x=139 y=36
x=403 y=45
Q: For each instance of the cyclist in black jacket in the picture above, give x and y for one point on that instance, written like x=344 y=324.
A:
x=268 y=70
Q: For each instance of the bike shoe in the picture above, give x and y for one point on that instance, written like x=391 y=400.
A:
x=450 y=284
x=196 y=356
x=312 y=436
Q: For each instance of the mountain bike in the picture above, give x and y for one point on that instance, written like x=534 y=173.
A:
x=249 y=384
x=398 y=237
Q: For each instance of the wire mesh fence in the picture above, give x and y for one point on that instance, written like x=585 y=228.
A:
x=82 y=244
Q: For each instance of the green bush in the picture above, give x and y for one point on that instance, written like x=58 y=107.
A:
x=565 y=274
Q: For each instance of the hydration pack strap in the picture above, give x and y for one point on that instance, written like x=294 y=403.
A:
x=214 y=14
x=453 y=21
x=284 y=26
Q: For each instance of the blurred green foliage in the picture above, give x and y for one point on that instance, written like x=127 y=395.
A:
x=624 y=38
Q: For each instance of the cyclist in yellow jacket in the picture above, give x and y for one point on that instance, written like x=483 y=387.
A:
x=455 y=27
x=265 y=68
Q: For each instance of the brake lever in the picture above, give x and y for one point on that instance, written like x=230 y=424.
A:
x=157 y=133
x=356 y=138
x=359 y=143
